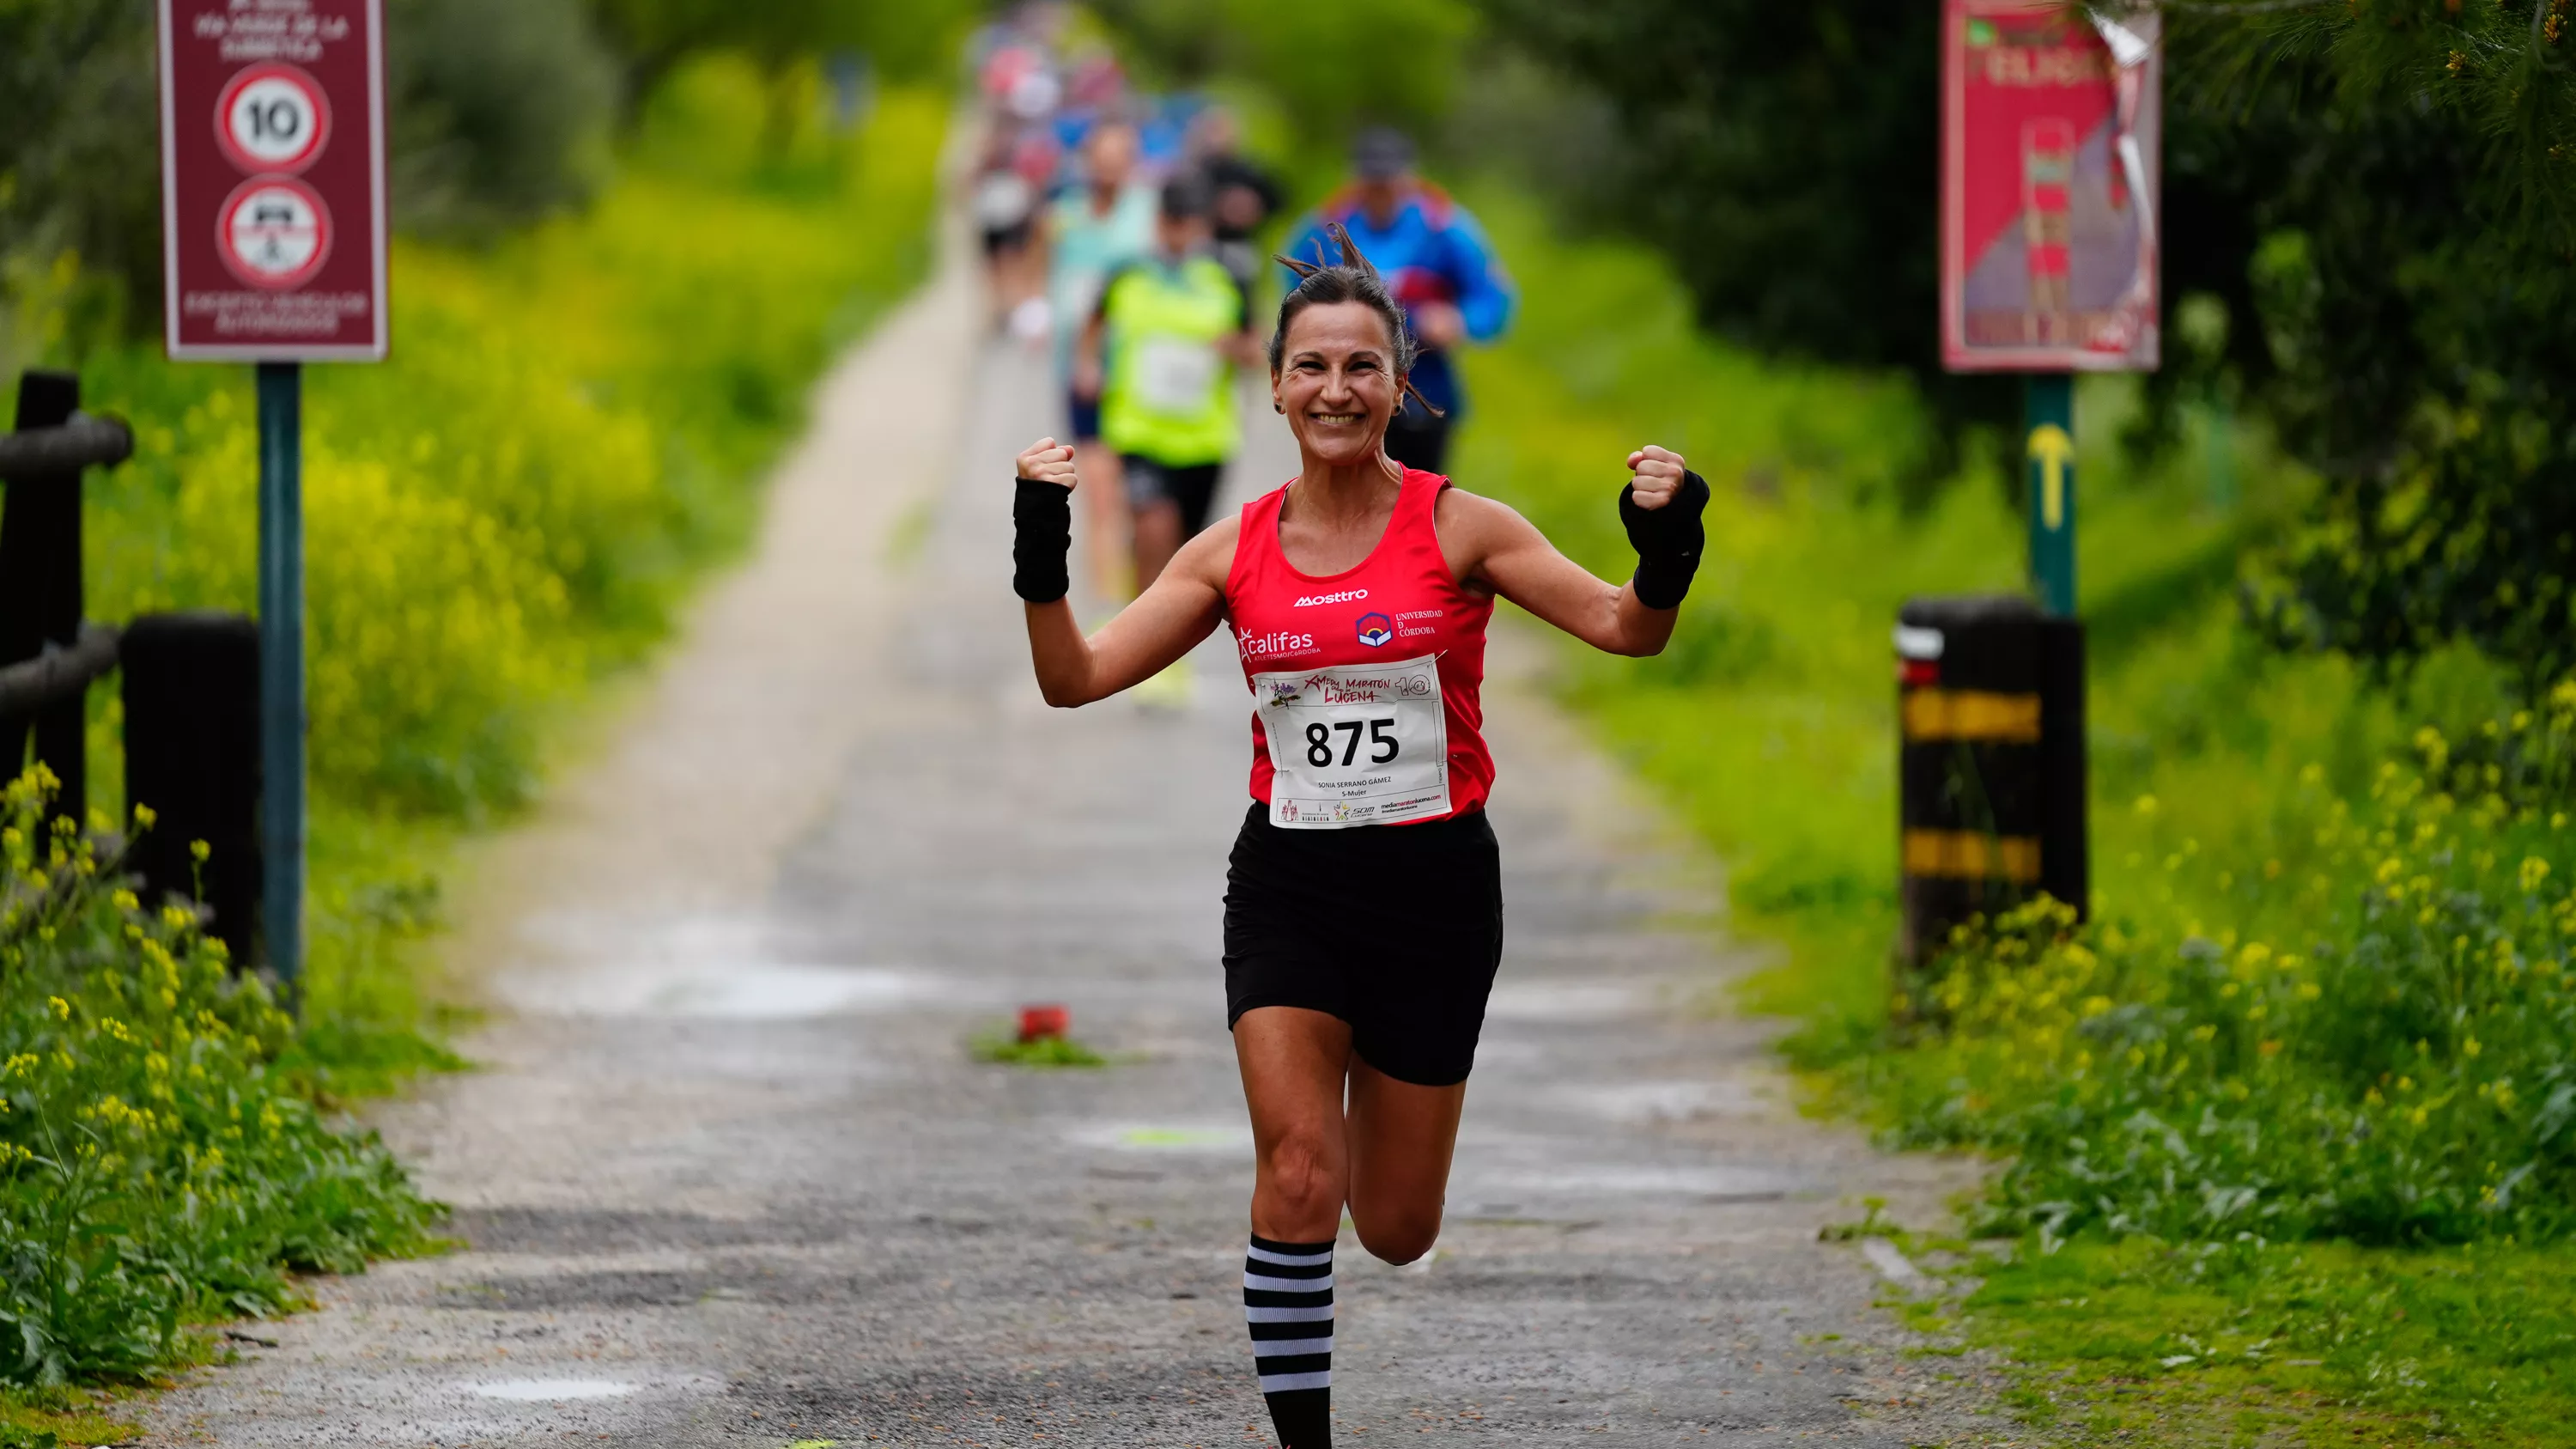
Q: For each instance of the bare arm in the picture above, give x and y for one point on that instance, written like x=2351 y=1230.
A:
x=1179 y=609
x=1508 y=553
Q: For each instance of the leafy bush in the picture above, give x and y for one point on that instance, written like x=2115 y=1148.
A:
x=2377 y=1042
x=155 y=1169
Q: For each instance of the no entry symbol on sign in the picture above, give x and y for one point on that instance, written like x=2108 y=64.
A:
x=272 y=118
x=275 y=232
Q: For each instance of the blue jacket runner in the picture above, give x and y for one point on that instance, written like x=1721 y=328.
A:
x=1431 y=250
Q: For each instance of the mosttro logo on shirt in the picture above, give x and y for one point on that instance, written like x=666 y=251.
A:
x=1376 y=629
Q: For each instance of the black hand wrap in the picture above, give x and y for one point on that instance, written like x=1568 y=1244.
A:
x=1667 y=541
x=1042 y=514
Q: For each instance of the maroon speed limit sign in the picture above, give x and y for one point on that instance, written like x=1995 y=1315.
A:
x=273 y=179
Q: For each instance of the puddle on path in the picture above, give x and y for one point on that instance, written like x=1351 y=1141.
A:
x=1479 y=1183
x=1566 y=1000
x=552 y=1391
x=736 y=990
x=1651 y=1102
x=701 y=966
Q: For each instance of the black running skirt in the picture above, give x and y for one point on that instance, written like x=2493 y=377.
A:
x=1396 y=929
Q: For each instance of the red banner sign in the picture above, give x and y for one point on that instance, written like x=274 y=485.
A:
x=273 y=179
x=2049 y=188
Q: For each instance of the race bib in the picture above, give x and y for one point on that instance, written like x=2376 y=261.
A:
x=1175 y=377
x=1357 y=744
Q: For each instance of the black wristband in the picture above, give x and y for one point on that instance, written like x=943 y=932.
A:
x=1667 y=540
x=1042 y=520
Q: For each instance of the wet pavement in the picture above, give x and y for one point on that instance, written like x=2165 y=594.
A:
x=733 y=1176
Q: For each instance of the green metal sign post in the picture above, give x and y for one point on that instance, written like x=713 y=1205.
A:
x=281 y=668
x=2048 y=463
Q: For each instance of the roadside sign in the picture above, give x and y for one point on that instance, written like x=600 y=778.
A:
x=273 y=179
x=274 y=118
x=275 y=233
x=2051 y=124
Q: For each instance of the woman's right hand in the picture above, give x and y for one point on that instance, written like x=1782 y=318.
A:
x=1048 y=461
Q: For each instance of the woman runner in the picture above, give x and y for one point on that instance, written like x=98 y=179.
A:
x=1363 y=907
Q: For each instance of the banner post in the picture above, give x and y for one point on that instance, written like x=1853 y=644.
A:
x=2048 y=460
x=2050 y=130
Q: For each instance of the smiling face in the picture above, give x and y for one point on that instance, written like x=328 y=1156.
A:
x=1337 y=381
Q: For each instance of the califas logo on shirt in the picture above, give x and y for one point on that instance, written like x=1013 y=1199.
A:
x=1256 y=646
x=1346 y=596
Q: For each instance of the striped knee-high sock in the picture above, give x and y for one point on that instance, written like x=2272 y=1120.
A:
x=1288 y=1300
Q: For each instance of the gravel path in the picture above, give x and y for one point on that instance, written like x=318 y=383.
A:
x=731 y=1176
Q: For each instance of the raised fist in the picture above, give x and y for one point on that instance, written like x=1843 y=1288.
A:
x=1048 y=461
x=1659 y=475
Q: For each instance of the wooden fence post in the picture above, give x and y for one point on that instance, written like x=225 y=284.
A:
x=40 y=592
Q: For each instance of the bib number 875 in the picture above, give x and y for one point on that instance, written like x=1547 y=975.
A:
x=1319 y=741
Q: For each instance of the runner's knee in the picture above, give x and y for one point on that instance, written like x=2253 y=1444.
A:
x=1398 y=1236
x=1301 y=1181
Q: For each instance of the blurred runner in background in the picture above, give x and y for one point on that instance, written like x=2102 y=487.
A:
x=1242 y=195
x=1435 y=259
x=1162 y=348
x=1103 y=226
x=1010 y=185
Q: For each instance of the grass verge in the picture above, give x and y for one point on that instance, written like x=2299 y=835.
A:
x=2257 y=1103
x=571 y=430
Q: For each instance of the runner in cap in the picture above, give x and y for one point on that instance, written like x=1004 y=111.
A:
x=1443 y=273
x=1363 y=907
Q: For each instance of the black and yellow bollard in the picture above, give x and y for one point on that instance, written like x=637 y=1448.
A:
x=1990 y=697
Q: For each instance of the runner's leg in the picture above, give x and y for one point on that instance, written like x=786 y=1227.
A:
x=1157 y=516
x=1293 y=1062
x=1104 y=510
x=1158 y=537
x=1399 y=1139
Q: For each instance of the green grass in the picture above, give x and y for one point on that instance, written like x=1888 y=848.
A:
x=2409 y=1052
x=158 y=1169
x=1045 y=1053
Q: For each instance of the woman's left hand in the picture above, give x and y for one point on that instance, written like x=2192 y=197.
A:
x=1659 y=475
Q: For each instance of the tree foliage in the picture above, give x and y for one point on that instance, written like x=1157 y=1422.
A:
x=2405 y=175
x=1333 y=65
x=498 y=110
x=907 y=39
x=1785 y=157
x=2383 y=193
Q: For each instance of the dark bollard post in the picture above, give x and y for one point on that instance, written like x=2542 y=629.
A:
x=1990 y=697
x=192 y=754
x=2065 y=845
x=40 y=591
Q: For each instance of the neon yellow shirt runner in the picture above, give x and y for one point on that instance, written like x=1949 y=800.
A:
x=1169 y=393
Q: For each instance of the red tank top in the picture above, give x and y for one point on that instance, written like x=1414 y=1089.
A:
x=1399 y=604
